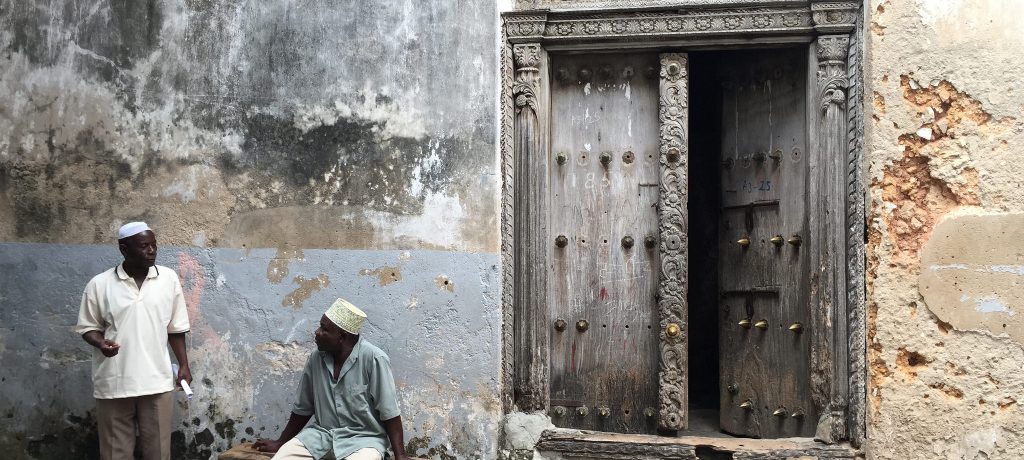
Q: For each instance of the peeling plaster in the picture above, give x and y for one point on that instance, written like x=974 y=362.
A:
x=307 y=287
x=277 y=269
x=386 y=275
x=939 y=144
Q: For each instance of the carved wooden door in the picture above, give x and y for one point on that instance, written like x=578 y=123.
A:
x=765 y=351
x=607 y=160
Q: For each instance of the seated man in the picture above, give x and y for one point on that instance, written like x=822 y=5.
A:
x=347 y=384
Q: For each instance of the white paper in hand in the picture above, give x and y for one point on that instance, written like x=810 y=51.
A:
x=184 y=384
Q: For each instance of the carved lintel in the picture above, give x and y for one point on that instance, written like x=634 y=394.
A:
x=562 y=5
x=834 y=17
x=672 y=391
x=677 y=24
x=525 y=26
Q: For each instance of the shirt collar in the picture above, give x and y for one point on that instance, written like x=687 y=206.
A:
x=123 y=275
x=328 y=358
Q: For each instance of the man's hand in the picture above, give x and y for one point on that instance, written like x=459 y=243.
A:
x=267 y=445
x=184 y=373
x=109 y=348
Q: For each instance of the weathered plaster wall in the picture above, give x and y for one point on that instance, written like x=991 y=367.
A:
x=286 y=152
x=249 y=340
x=372 y=124
x=945 y=188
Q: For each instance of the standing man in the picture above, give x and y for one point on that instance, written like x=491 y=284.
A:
x=347 y=384
x=129 y=314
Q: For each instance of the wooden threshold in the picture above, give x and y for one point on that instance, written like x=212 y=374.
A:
x=581 y=445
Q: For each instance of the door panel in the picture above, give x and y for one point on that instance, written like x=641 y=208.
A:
x=764 y=361
x=604 y=176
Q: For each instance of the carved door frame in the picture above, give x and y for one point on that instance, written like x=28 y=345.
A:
x=835 y=127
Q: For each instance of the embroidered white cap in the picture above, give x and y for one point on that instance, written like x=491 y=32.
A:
x=346 y=316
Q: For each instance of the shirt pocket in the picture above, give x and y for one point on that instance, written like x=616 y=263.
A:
x=354 y=396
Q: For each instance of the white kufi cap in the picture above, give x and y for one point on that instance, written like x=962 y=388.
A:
x=346 y=316
x=132 y=229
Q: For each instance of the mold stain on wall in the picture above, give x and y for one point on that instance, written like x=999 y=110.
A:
x=103 y=126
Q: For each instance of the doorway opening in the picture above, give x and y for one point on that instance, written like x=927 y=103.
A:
x=703 y=216
x=747 y=285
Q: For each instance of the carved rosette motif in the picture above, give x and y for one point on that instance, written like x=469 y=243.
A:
x=524 y=27
x=834 y=17
x=672 y=226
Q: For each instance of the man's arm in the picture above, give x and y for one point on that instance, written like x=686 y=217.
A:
x=177 y=342
x=109 y=348
x=397 y=437
x=295 y=424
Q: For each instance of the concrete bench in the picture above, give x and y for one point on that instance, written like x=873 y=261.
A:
x=246 y=452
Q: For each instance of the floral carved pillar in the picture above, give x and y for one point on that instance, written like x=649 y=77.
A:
x=530 y=165
x=831 y=359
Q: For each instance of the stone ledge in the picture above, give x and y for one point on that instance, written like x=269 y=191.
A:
x=579 y=445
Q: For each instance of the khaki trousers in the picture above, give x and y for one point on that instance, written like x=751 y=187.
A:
x=295 y=450
x=116 y=420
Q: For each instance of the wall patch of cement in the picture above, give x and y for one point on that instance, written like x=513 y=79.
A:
x=972 y=274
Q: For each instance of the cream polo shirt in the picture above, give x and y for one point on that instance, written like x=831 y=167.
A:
x=139 y=321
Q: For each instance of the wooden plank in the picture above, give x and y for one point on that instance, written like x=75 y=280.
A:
x=603 y=104
x=244 y=451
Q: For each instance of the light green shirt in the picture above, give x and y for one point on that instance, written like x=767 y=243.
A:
x=347 y=413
